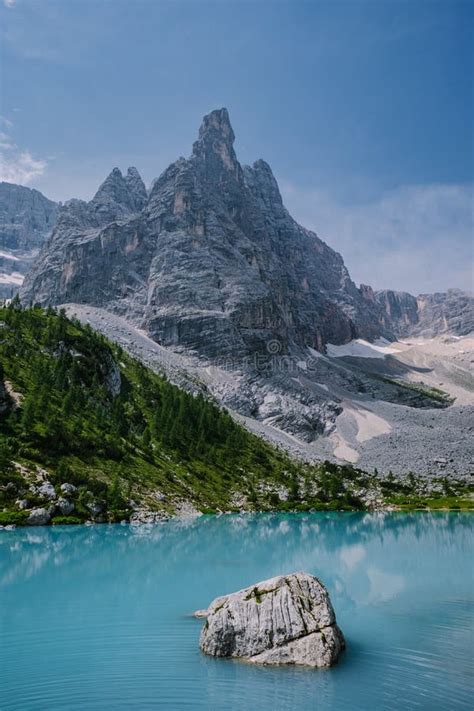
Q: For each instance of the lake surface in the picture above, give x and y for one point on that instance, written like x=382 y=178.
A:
x=98 y=617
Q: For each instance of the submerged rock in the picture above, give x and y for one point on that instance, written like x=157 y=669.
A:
x=284 y=620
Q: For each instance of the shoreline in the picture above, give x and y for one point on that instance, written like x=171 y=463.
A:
x=187 y=519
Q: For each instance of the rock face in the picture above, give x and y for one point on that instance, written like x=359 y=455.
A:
x=210 y=260
x=26 y=218
x=449 y=312
x=399 y=309
x=97 y=252
x=284 y=620
x=427 y=315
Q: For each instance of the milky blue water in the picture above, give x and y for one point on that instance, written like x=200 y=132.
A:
x=99 y=617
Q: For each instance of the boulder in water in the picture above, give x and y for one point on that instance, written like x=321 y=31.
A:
x=288 y=619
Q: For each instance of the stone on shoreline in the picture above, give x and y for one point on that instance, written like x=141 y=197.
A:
x=65 y=506
x=68 y=489
x=47 y=491
x=38 y=517
x=288 y=619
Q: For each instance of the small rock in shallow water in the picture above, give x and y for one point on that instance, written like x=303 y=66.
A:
x=285 y=620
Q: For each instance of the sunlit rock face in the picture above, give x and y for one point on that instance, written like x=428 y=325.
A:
x=210 y=260
x=284 y=620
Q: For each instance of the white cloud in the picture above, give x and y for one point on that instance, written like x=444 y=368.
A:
x=6 y=122
x=416 y=238
x=9 y=3
x=18 y=165
x=384 y=586
x=5 y=141
x=351 y=556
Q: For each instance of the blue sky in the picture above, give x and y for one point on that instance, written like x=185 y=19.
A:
x=364 y=110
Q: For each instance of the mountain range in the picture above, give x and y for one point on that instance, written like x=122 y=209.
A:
x=212 y=268
x=210 y=259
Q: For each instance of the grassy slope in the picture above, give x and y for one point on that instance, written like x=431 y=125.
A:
x=78 y=407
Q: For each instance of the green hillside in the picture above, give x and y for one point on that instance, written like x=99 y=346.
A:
x=76 y=409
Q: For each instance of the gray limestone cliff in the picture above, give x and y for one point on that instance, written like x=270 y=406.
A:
x=210 y=260
x=26 y=218
x=427 y=314
x=96 y=252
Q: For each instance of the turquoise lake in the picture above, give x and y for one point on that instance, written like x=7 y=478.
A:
x=98 y=617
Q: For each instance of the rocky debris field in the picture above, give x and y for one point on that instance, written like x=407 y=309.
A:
x=341 y=404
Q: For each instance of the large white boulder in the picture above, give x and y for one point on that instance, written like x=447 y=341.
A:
x=285 y=620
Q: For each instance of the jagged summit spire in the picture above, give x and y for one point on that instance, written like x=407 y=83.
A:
x=128 y=192
x=214 y=146
x=112 y=187
x=217 y=124
x=136 y=187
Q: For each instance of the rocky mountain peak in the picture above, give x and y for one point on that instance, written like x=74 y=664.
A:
x=136 y=187
x=217 y=125
x=215 y=263
x=114 y=188
x=214 y=147
x=119 y=196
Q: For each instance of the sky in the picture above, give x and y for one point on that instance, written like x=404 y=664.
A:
x=363 y=109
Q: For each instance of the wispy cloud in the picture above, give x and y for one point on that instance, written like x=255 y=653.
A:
x=9 y=3
x=5 y=142
x=6 y=122
x=416 y=238
x=18 y=165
